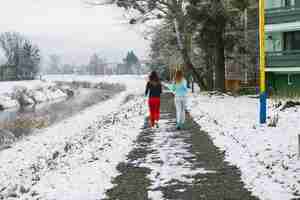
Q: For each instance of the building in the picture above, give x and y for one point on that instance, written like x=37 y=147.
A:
x=283 y=45
x=111 y=68
x=241 y=63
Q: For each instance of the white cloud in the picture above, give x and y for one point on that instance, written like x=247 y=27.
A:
x=72 y=29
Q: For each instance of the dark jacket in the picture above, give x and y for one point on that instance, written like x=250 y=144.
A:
x=154 y=90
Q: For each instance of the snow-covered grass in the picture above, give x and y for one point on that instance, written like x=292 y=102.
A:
x=76 y=158
x=267 y=156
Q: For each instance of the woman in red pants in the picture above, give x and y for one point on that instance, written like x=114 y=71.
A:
x=153 y=90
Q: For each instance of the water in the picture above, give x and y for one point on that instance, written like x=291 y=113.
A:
x=23 y=121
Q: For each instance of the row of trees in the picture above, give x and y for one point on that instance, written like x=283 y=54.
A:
x=210 y=29
x=56 y=65
x=130 y=65
x=97 y=65
x=22 y=57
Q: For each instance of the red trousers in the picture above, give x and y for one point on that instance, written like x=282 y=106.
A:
x=154 y=106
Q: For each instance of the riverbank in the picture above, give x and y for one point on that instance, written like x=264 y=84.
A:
x=16 y=94
x=21 y=93
x=40 y=104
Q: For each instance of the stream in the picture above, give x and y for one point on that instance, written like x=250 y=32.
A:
x=17 y=123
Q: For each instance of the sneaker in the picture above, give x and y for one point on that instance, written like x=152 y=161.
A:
x=178 y=126
x=156 y=125
x=181 y=126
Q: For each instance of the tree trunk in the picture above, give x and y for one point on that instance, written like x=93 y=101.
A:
x=209 y=80
x=179 y=28
x=190 y=66
x=209 y=76
x=220 y=63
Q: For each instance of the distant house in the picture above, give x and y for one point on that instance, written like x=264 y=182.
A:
x=122 y=69
x=283 y=45
x=111 y=68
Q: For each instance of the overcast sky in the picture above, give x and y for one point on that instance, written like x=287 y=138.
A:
x=72 y=29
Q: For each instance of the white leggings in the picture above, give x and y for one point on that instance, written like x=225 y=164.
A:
x=180 y=103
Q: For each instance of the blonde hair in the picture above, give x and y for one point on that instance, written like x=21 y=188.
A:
x=178 y=76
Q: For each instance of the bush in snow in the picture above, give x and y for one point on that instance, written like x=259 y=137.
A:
x=7 y=102
x=274 y=120
x=22 y=95
x=67 y=90
x=290 y=104
x=6 y=137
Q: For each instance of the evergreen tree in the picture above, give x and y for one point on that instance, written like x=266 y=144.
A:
x=132 y=63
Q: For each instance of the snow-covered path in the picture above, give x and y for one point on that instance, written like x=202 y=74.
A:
x=171 y=164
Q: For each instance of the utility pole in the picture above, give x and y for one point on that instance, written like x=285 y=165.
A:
x=263 y=94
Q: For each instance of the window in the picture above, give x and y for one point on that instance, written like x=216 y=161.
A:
x=274 y=4
x=297 y=3
x=292 y=40
x=288 y=3
x=274 y=42
x=290 y=80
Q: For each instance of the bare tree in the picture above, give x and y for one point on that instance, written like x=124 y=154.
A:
x=30 y=59
x=173 y=11
x=163 y=51
x=21 y=53
x=11 y=44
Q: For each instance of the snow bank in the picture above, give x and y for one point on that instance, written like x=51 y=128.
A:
x=9 y=86
x=14 y=93
x=135 y=83
x=7 y=102
x=77 y=158
x=267 y=156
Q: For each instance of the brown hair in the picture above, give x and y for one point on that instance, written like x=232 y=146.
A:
x=178 y=76
x=154 y=78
